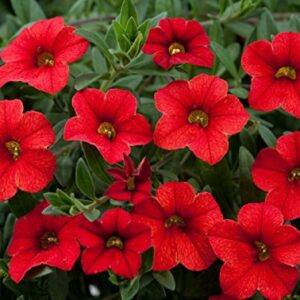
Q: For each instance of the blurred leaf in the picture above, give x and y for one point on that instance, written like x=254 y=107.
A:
x=98 y=61
x=266 y=26
x=225 y=59
x=84 y=180
x=27 y=10
x=166 y=279
x=267 y=135
x=58 y=285
x=127 y=11
x=96 y=163
x=21 y=204
x=84 y=80
x=129 y=291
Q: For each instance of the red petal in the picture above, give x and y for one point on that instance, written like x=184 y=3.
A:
x=8 y=186
x=173 y=196
x=228 y=115
x=197 y=56
x=258 y=59
x=210 y=146
x=194 y=30
x=239 y=280
x=231 y=243
x=126 y=263
x=270 y=170
x=118 y=191
x=287 y=147
x=135 y=131
x=207 y=90
x=285 y=45
x=174 y=132
x=174 y=99
x=69 y=46
x=128 y=165
x=34 y=131
x=156 y=37
x=193 y=250
x=165 y=252
x=11 y=112
x=96 y=260
x=285 y=246
x=276 y=280
x=91 y=235
x=203 y=214
x=287 y=199
x=34 y=170
x=260 y=220
x=49 y=79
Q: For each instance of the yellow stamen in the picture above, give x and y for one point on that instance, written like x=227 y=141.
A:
x=45 y=59
x=294 y=174
x=14 y=148
x=48 y=239
x=263 y=252
x=286 y=71
x=107 y=129
x=174 y=220
x=199 y=117
x=176 y=48
x=130 y=183
x=114 y=241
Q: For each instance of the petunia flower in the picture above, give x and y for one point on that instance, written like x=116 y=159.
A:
x=132 y=184
x=114 y=242
x=108 y=121
x=277 y=171
x=25 y=161
x=200 y=115
x=259 y=253
x=275 y=71
x=179 y=221
x=40 y=55
x=177 y=41
x=41 y=240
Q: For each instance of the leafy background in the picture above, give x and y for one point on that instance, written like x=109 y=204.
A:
x=117 y=31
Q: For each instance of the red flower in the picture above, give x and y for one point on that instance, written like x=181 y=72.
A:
x=198 y=114
x=179 y=221
x=277 y=171
x=115 y=242
x=132 y=184
x=40 y=55
x=274 y=68
x=178 y=41
x=108 y=121
x=25 y=162
x=259 y=253
x=42 y=240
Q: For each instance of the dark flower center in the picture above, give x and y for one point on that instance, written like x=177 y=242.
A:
x=14 y=148
x=107 y=129
x=114 y=241
x=294 y=174
x=48 y=239
x=176 y=48
x=45 y=59
x=263 y=252
x=286 y=71
x=174 y=220
x=198 y=117
x=130 y=183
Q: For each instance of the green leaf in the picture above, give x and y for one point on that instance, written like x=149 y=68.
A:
x=266 y=26
x=127 y=10
x=58 y=285
x=240 y=92
x=166 y=279
x=84 y=80
x=99 y=42
x=98 y=62
x=84 y=180
x=248 y=191
x=96 y=163
x=21 y=204
x=7 y=230
x=225 y=59
x=248 y=140
x=129 y=291
x=135 y=47
x=121 y=36
x=267 y=135
x=27 y=10
x=131 y=29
